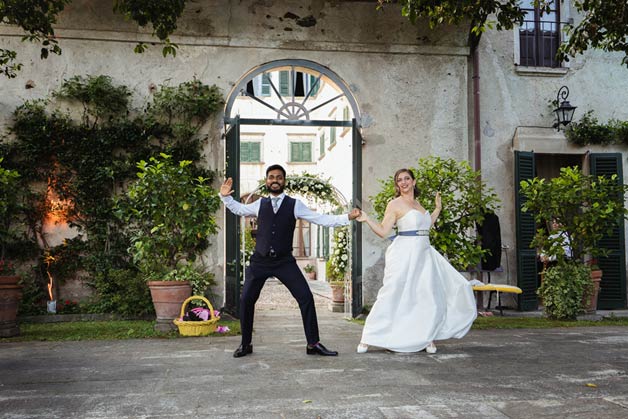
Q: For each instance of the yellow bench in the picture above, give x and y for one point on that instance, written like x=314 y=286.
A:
x=498 y=288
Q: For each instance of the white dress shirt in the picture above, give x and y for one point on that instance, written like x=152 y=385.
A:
x=300 y=211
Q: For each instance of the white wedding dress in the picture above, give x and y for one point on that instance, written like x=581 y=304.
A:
x=423 y=298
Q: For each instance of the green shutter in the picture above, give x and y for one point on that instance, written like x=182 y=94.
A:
x=332 y=136
x=284 y=83
x=307 y=151
x=265 y=84
x=314 y=86
x=525 y=226
x=301 y=151
x=255 y=152
x=244 y=152
x=613 y=285
x=345 y=113
x=325 y=240
x=322 y=144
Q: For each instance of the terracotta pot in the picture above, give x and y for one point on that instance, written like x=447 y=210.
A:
x=10 y=296
x=591 y=305
x=167 y=299
x=311 y=275
x=337 y=293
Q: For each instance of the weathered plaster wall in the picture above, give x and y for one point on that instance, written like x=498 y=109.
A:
x=513 y=98
x=410 y=83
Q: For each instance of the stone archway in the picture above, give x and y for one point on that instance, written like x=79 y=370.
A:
x=291 y=93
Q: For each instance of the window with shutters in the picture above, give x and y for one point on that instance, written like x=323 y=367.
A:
x=298 y=82
x=250 y=152
x=332 y=136
x=539 y=35
x=300 y=151
x=321 y=145
x=322 y=248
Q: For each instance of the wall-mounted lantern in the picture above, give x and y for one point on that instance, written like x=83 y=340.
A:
x=564 y=112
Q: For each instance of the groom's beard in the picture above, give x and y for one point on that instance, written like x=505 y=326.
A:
x=276 y=191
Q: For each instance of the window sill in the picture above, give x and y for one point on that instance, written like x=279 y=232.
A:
x=541 y=71
x=331 y=146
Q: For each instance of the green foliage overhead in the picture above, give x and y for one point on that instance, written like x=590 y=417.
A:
x=465 y=200
x=604 y=26
x=161 y=15
x=587 y=207
x=473 y=12
x=564 y=290
x=37 y=18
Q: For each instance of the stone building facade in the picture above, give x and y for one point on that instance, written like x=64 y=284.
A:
x=411 y=87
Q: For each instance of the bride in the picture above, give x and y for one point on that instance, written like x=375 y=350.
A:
x=423 y=298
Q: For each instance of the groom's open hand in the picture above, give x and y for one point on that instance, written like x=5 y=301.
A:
x=355 y=213
x=226 y=187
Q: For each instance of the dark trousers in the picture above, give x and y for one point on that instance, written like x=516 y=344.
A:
x=286 y=270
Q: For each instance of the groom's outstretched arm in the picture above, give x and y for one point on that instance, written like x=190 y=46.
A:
x=302 y=211
x=249 y=210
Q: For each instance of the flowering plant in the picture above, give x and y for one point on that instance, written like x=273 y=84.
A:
x=6 y=268
x=308 y=268
x=338 y=263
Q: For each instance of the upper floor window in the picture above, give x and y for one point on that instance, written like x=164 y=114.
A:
x=250 y=152
x=300 y=151
x=321 y=145
x=302 y=85
x=539 y=35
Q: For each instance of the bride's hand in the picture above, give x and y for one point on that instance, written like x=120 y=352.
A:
x=362 y=217
x=437 y=201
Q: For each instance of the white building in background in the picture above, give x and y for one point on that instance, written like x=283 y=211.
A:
x=318 y=150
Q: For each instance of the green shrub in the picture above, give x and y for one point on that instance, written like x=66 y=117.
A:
x=564 y=289
x=120 y=291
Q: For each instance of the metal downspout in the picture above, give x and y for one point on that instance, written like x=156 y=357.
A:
x=477 y=134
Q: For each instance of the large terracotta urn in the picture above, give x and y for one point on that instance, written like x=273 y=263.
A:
x=167 y=299
x=10 y=296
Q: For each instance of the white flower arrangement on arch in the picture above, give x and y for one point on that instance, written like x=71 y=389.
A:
x=310 y=186
x=338 y=263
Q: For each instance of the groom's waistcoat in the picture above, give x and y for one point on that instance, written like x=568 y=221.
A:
x=275 y=231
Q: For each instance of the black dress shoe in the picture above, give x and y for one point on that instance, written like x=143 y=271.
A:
x=243 y=351
x=319 y=349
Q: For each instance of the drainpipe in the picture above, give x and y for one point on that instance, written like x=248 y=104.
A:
x=477 y=134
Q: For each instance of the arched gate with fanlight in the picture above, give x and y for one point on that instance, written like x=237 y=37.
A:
x=287 y=88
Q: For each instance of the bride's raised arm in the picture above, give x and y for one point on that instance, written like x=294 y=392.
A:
x=383 y=229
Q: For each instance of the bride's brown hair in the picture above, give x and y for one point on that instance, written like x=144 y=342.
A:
x=397 y=173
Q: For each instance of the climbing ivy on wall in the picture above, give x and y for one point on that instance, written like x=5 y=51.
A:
x=76 y=150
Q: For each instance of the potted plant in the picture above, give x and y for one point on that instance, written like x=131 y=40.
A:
x=586 y=208
x=170 y=214
x=310 y=271
x=10 y=290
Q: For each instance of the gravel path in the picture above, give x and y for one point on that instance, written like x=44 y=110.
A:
x=275 y=296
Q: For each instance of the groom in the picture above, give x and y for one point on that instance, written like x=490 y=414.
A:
x=276 y=220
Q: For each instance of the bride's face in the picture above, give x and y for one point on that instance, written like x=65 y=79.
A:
x=405 y=183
